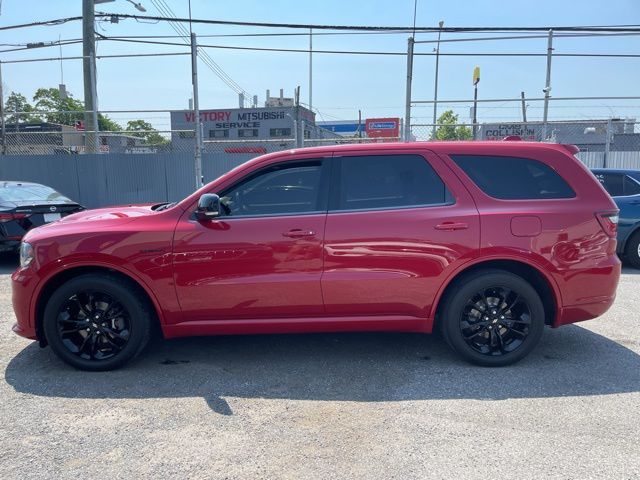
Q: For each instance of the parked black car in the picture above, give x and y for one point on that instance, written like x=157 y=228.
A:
x=25 y=205
x=624 y=187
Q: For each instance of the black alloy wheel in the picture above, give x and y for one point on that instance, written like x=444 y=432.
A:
x=93 y=325
x=97 y=321
x=492 y=317
x=495 y=321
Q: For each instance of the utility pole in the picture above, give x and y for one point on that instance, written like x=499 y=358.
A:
x=89 y=75
x=524 y=108
x=547 y=87
x=435 y=91
x=311 y=69
x=407 y=113
x=196 y=111
x=2 y=129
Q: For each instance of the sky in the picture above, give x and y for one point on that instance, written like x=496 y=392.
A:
x=342 y=84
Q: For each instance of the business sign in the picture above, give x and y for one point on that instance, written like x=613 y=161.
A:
x=498 y=131
x=382 y=127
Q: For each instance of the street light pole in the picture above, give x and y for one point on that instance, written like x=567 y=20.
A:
x=435 y=91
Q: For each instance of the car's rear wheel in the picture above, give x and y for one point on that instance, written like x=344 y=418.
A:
x=97 y=322
x=632 y=250
x=493 y=318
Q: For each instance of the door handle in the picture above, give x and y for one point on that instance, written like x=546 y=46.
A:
x=450 y=226
x=299 y=233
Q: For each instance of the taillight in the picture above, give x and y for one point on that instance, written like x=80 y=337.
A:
x=608 y=222
x=7 y=217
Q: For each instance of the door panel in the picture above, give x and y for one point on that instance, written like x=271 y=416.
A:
x=392 y=261
x=249 y=267
x=263 y=257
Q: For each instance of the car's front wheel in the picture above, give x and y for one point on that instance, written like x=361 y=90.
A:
x=493 y=318
x=97 y=322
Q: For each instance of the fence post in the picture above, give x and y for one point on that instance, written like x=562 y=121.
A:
x=3 y=147
x=196 y=111
x=607 y=144
x=547 y=87
x=407 y=114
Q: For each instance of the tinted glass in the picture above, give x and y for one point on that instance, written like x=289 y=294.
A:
x=279 y=190
x=514 y=178
x=388 y=181
x=631 y=186
x=30 y=193
x=613 y=183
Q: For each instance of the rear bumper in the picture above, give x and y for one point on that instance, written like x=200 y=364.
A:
x=580 y=313
x=595 y=291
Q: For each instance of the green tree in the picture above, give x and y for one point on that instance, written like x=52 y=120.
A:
x=57 y=109
x=16 y=102
x=48 y=100
x=105 y=124
x=142 y=129
x=449 y=128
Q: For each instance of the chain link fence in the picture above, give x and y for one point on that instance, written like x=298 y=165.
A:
x=602 y=143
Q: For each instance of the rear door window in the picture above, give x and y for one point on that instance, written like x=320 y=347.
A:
x=613 y=183
x=631 y=186
x=387 y=181
x=514 y=178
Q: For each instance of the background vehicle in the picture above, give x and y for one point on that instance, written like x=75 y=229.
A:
x=487 y=241
x=624 y=187
x=25 y=205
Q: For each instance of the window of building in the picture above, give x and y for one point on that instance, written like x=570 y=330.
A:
x=219 y=133
x=280 y=132
x=247 y=132
x=276 y=191
x=388 y=181
x=514 y=178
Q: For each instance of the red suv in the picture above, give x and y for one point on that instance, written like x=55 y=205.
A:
x=487 y=241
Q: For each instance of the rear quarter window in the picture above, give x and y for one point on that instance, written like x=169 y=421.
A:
x=514 y=178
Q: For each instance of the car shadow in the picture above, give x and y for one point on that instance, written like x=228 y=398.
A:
x=362 y=367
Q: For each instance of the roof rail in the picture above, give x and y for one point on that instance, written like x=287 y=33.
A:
x=512 y=138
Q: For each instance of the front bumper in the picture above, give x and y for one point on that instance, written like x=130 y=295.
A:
x=23 y=285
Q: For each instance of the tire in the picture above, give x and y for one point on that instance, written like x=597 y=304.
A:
x=632 y=250
x=492 y=318
x=97 y=322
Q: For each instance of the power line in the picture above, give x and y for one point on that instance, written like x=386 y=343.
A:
x=166 y=11
x=387 y=53
x=593 y=28
x=588 y=28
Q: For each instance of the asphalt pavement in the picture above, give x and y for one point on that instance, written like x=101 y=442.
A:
x=374 y=406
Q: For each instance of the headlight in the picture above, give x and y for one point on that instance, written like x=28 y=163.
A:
x=26 y=254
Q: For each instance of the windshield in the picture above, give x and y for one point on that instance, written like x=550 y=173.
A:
x=17 y=192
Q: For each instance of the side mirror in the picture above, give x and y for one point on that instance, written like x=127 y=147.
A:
x=208 y=206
